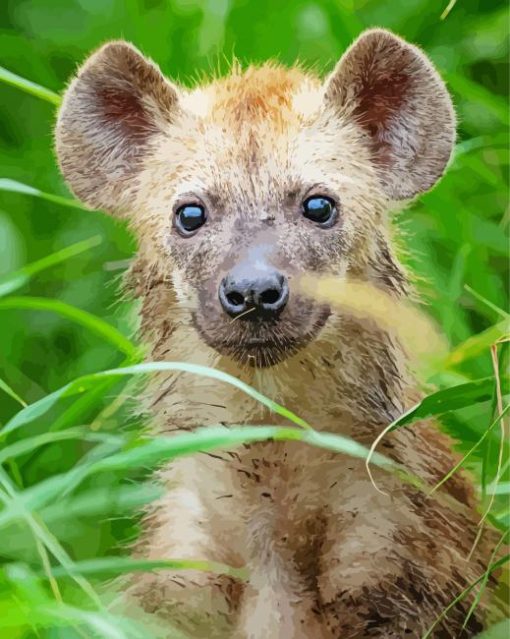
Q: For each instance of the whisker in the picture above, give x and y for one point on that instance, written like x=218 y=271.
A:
x=242 y=314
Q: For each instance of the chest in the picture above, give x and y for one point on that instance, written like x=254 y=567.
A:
x=280 y=494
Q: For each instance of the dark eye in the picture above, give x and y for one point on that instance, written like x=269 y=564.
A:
x=189 y=218
x=320 y=209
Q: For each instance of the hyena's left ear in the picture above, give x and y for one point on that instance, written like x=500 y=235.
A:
x=393 y=92
x=111 y=111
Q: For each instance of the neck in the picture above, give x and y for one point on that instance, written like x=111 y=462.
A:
x=355 y=373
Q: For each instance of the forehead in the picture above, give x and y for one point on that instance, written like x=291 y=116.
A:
x=252 y=112
x=266 y=95
x=257 y=133
x=257 y=96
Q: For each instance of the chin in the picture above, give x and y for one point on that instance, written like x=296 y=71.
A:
x=262 y=354
x=263 y=344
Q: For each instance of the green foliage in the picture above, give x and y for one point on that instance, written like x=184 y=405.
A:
x=70 y=477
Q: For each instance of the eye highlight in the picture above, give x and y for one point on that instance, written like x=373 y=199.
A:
x=189 y=218
x=320 y=209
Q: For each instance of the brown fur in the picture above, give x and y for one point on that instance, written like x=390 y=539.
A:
x=328 y=556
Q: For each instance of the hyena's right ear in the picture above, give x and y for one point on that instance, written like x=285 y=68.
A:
x=110 y=112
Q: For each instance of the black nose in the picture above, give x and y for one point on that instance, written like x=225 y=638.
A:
x=262 y=291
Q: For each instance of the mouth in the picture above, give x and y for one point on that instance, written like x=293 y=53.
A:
x=263 y=353
x=262 y=344
x=258 y=342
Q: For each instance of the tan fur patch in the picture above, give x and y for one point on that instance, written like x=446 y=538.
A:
x=256 y=94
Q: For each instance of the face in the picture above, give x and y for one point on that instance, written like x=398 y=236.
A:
x=239 y=188
x=243 y=216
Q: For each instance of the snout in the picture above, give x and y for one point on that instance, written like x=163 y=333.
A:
x=262 y=291
x=273 y=323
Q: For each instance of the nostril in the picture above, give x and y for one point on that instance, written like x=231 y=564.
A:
x=266 y=295
x=236 y=299
x=271 y=296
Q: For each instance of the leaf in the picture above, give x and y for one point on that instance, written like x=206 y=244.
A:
x=16 y=280
x=29 y=87
x=48 y=490
x=483 y=584
x=85 y=383
x=448 y=9
x=501 y=519
x=156 y=450
x=123 y=565
x=29 y=444
x=448 y=399
x=363 y=300
x=120 y=500
x=44 y=536
x=501 y=488
x=73 y=413
x=481 y=298
x=499 y=631
x=7 y=389
x=14 y=186
x=477 y=344
x=490 y=569
x=471 y=450
x=31 y=606
x=92 y=322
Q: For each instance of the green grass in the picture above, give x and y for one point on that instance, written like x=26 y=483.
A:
x=71 y=479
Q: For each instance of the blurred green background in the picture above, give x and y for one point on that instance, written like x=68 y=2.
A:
x=456 y=235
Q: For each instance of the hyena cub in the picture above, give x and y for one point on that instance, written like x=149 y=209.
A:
x=234 y=189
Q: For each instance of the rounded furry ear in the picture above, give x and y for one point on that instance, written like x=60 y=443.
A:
x=117 y=102
x=393 y=92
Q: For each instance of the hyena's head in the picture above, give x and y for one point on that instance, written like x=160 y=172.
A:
x=238 y=187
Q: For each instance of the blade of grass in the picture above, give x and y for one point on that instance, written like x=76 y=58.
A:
x=477 y=344
x=89 y=321
x=29 y=87
x=81 y=405
x=434 y=404
x=503 y=488
x=47 y=539
x=150 y=452
x=45 y=560
x=500 y=409
x=121 y=501
x=41 y=551
x=6 y=184
x=124 y=565
x=41 y=613
x=490 y=569
x=484 y=581
x=437 y=403
x=52 y=488
x=448 y=399
x=448 y=9
x=486 y=451
x=9 y=391
x=16 y=280
x=488 y=303
x=158 y=449
x=470 y=451
x=85 y=383
x=500 y=630
x=31 y=443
